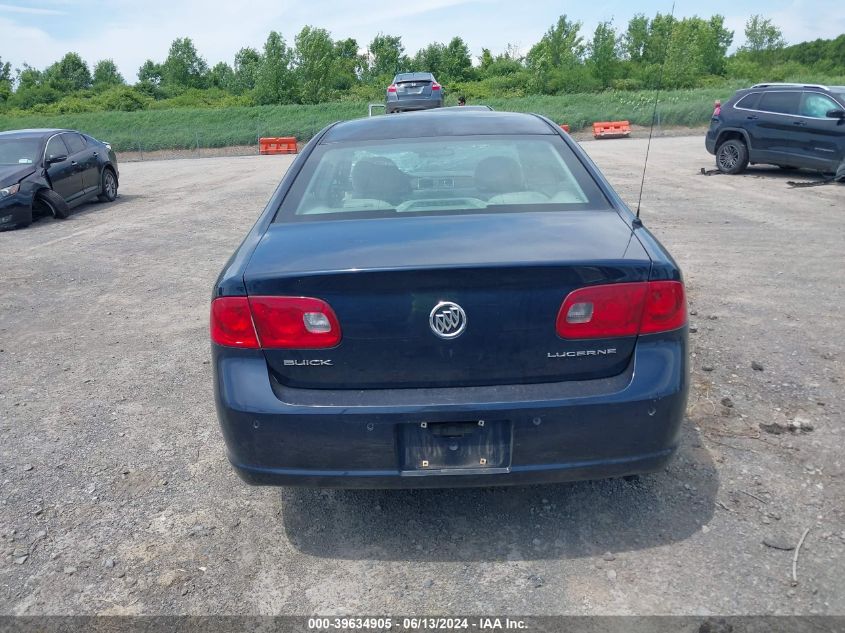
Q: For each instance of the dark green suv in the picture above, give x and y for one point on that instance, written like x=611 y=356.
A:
x=788 y=125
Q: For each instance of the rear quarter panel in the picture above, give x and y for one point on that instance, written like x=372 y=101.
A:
x=230 y=282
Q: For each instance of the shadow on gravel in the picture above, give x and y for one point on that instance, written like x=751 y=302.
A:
x=97 y=206
x=518 y=523
x=82 y=210
x=778 y=174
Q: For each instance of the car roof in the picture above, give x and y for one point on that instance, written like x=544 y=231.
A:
x=790 y=87
x=458 y=122
x=32 y=133
x=787 y=87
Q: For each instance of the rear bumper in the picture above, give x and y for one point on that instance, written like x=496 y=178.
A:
x=519 y=475
x=413 y=104
x=710 y=140
x=628 y=424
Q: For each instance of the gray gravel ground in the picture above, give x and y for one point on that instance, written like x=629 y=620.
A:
x=116 y=497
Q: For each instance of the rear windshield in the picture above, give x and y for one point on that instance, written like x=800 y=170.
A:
x=413 y=77
x=19 y=151
x=438 y=176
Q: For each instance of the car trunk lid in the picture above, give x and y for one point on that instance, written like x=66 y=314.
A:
x=509 y=274
x=413 y=89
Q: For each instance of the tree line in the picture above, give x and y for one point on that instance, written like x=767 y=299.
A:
x=315 y=68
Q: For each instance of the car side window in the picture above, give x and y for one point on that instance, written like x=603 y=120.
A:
x=75 y=143
x=817 y=105
x=780 y=102
x=56 y=147
x=749 y=102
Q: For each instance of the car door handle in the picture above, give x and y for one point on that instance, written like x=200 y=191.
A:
x=752 y=117
x=96 y=154
x=74 y=163
x=798 y=123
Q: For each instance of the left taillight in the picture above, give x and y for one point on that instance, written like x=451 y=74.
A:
x=294 y=322
x=391 y=88
x=619 y=310
x=717 y=108
x=274 y=322
x=231 y=323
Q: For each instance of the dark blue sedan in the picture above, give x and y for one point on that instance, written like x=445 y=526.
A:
x=442 y=300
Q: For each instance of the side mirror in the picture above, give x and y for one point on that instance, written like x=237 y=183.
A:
x=836 y=114
x=55 y=159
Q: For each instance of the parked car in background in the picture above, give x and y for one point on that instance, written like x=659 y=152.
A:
x=430 y=303
x=788 y=125
x=413 y=91
x=50 y=172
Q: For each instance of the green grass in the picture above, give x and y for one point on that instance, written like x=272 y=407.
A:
x=148 y=130
x=182 y=128
x=679 y=107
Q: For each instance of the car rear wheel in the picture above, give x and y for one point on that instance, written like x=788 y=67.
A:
x=732 y=157
x=53 y=203
x=108 y=187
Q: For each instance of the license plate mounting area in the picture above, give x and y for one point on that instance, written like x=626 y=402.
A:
x=459 y=447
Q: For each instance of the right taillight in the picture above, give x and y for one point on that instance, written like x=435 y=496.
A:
x=717 y=108
x=665 y=307
x=619 y=310
x=274 y=323
x=391 y=88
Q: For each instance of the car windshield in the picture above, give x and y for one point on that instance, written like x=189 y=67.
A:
x=18 y=151
x=452 y=175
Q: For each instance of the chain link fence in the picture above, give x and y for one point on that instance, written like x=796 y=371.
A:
x=140 y=145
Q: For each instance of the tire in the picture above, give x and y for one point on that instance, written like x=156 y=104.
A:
x=108 y=186
x=732 y=157
x=53 y=202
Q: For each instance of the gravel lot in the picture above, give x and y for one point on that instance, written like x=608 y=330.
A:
x=116 y=497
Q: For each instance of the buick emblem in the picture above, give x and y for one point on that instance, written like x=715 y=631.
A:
x=447 y=320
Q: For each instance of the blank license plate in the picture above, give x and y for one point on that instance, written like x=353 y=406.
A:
x=455 y=447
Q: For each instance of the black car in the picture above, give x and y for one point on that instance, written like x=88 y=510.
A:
x=788 y=125
x=413 y=91
x=448 y=299
x=51 y=171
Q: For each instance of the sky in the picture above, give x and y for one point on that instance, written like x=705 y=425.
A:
x=40 y=32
